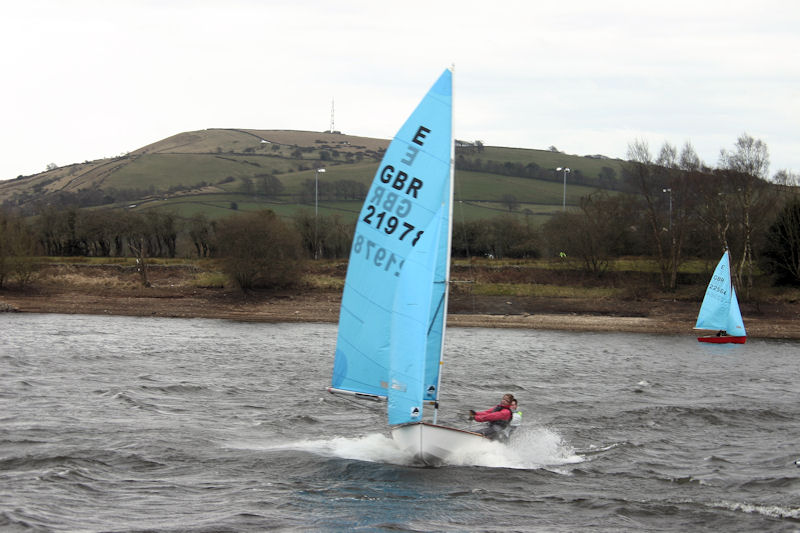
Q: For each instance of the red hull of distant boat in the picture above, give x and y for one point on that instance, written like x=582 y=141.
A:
x=722 y=339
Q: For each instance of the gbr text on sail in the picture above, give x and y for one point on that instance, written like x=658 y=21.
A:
x=390 y=206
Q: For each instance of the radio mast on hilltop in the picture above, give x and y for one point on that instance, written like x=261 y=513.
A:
x=331 y=130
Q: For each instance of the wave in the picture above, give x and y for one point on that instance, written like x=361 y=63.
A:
x=180 y=388
x=770 y=511
x=782 y=482
x=12 y=522
x=683 y=415
x=593 y=449
x=130 y=400
x=78 y=462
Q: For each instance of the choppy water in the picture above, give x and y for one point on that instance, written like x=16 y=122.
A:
x=138 y=424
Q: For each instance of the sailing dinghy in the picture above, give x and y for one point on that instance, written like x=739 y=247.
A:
x=394 y=304
x=720 y=308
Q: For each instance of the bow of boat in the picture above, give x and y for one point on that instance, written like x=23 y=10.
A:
x=431 y=444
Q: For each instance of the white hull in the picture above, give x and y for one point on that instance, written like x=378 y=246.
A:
x=430 y=444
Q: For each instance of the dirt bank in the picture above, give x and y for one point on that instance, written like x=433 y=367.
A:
x=536 y=313
x=116 y=290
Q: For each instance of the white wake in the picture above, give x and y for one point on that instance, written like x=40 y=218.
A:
x=530 y=448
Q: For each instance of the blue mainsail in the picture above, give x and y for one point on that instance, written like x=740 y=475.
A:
x=720 y=308
x=392 y=318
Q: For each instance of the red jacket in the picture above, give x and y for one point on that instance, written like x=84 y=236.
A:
x=498 y=412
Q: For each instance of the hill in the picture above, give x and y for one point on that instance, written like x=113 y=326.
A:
x=220 y=171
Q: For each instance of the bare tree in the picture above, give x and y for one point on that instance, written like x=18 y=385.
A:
x=259 y=250
x=200 y=230
x=652 y=182
x=510 y=237
x=689 y=160
x=750 y=156
x=782 y=254
x=324 y=236
x=712 y=207
x=667 y=190
x=510 y=201
x=787 y=178
x=16 y=249
x=600 y=231
x=667 y=156
x=747 y=166
x=137 y=235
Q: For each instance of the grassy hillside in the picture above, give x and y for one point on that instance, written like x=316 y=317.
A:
x=209 y=171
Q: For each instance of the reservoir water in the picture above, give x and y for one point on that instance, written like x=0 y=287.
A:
x=145 y=424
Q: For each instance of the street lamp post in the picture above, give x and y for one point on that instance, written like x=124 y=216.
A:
x=564 y=201
x=316 y=208
x=672 y=248
x=316 y=190
x=670 y=208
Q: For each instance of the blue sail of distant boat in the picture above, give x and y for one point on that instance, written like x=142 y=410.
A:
x=735 y=325
x=391 y=322
x=720 y=308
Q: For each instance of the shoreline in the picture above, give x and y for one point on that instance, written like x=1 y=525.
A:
x=629 y=317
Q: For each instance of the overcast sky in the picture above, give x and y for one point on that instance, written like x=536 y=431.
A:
x=84 y=79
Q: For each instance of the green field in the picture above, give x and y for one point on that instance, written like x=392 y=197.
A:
x=546 y=159
x=215 y=171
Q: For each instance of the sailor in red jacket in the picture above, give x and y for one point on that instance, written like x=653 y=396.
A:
x=498 y=417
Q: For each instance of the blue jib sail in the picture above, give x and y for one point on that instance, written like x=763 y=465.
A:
x=720 y=308
x=391 y=321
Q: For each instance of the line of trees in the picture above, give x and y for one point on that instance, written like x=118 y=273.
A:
x=684 y=209
x=255 y=249
x=677 y=208
x=607 y=178
x=17 y=247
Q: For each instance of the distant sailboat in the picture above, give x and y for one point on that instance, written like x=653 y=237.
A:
x=720 y=308
x=392 y=318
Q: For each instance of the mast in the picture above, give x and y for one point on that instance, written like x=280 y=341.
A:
x=449 y=245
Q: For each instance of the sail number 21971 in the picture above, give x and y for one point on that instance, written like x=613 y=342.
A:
x=390 y=224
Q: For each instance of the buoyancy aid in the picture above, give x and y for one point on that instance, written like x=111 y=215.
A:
x=501 y=423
